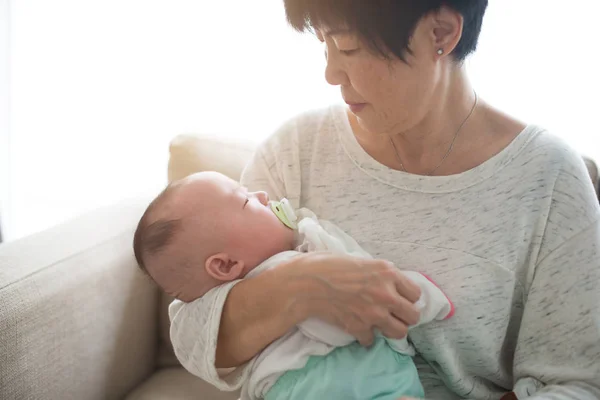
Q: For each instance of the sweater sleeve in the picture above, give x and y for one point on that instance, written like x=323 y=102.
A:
x=557 y=356
x=558 y=350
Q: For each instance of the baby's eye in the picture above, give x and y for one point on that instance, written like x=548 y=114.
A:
x=246 y=202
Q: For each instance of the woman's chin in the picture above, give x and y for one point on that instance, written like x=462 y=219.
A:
x=367 y=121
x=369 y=124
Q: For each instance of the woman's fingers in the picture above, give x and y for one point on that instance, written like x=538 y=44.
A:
x=406 y=287
x=393 y=328
x=405 y=311
x=365 y=338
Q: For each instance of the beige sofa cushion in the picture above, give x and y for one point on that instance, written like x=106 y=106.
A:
x=189 y=154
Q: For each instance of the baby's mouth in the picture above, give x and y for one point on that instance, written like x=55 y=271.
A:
x=284 y=211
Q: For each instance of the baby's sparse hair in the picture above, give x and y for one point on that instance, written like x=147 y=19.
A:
x=154 y=235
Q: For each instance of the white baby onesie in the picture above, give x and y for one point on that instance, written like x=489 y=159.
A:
x=312 y=337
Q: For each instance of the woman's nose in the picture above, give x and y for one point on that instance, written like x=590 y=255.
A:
x=334 y=74
x=263 y=197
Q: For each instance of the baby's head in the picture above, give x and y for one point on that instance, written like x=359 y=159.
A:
x=205 y=230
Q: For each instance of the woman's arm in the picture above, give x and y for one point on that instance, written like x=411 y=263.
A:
x=558 y=352
x=358 y=295
x=558 y=349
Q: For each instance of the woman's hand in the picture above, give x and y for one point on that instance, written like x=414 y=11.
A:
x=358 y=295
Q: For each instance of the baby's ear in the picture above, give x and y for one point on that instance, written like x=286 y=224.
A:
x=223 y=268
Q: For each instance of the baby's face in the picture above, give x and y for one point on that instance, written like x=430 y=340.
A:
x=241 y=222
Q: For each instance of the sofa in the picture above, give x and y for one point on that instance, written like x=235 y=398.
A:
x=78 y=320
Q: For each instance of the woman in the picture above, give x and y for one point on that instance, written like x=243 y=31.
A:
x=424 y=173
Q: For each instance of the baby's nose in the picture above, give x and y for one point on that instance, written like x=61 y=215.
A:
x=263 y=197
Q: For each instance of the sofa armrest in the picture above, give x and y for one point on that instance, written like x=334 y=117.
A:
x=77 y=318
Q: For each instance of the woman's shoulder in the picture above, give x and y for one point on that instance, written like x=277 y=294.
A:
x=550 y=183
x=573 y=189
x=303 y=130
x=277 y=165
x=551 y=152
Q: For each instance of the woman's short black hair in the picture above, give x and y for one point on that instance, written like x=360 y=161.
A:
x=386 y=25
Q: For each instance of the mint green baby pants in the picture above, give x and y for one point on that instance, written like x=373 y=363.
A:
x=352 y=372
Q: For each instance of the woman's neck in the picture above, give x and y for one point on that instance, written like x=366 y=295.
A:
x=450 y=106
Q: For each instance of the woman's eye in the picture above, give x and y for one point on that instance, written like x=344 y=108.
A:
x=348 y=52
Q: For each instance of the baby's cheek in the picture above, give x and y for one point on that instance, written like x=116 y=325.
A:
x=276 y=234
x=271 y=226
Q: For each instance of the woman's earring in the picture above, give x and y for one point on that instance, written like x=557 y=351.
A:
x=440 y=52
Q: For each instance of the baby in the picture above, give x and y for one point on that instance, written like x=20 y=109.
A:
x=207 y=230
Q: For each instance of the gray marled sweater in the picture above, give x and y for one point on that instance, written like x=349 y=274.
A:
x=514 y=243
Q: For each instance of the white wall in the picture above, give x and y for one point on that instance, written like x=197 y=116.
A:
x=99 y=87
x=5 y=222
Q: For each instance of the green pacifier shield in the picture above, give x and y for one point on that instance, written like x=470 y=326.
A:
x=280 y=213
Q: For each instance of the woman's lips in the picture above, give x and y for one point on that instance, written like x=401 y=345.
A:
x=356 y=107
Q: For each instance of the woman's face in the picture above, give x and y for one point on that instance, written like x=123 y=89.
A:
x=387 y=96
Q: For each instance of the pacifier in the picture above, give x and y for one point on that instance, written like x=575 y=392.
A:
x=284 y=211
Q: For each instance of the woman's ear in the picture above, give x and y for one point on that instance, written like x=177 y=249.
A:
x=222 y=268
x=447 y=30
